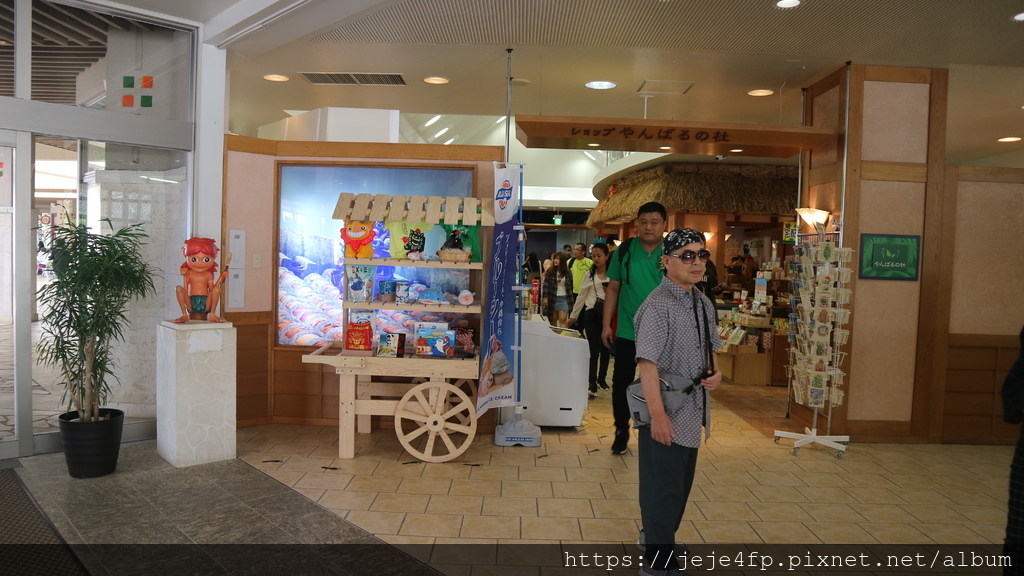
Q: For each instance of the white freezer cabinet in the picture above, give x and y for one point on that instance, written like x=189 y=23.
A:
x=554 y=376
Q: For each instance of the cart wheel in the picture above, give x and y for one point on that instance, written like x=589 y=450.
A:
x=431 y=411
x=794 y=451
x=776 y=439
x=839 y=454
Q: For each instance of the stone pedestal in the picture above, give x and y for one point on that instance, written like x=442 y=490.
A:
x=195 y=392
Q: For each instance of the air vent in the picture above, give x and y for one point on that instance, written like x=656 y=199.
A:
x=353 y=79
x=651 y=87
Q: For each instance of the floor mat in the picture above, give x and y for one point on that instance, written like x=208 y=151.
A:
x=28 y=542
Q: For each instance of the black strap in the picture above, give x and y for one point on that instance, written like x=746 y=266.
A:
x=709 y=358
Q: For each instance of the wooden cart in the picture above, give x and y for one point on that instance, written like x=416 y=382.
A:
x=435 y=419
x=435 y=413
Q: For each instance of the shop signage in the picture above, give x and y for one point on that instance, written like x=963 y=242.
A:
x=499 y=382
x=889 y=257
x=789 y=232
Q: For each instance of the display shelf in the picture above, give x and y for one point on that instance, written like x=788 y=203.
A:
x=413 y=307
x=746 y=369
x=345 y=362
x=406 y=263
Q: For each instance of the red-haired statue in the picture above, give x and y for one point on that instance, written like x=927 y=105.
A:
x=199 y=293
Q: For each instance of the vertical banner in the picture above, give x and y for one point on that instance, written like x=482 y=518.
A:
x=499 y=326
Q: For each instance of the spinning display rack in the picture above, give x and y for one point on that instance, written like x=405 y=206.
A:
x=819 y=313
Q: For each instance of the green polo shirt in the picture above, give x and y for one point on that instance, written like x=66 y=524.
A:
x=578 y=269
x=644 y=275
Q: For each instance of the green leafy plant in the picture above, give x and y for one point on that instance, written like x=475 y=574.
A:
x=95 y=275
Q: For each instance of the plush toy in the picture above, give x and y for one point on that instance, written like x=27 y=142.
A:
x=414 y=244
x=358 y=237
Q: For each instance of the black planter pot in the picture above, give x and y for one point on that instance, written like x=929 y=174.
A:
x=91 y=448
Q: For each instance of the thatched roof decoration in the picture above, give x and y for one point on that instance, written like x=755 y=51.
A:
x=750 y=189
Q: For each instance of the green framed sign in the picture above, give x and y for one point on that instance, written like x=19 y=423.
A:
x=889 y=257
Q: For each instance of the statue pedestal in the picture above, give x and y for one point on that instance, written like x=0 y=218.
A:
x=195 y=392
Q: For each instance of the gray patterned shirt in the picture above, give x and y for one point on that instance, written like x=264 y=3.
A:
x=667 y=334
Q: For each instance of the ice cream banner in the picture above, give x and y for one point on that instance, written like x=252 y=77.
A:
x=496 y=372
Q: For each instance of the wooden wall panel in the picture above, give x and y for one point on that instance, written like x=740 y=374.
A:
x=252 y=384
x=972 y=404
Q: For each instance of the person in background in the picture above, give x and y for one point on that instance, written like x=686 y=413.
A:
x=531 y=268
x=590 y=302
x=566 y=253
x=675 y=334
x=709 y=284
x=1013 y=413
x=556 y=292
x=749 y=264
x=547 y=263
x=735 y=266
x=634 y=270
x=578 y=265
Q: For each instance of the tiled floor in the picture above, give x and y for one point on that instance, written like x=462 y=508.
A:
x=572 y=489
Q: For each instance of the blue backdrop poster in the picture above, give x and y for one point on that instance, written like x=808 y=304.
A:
x=496 y=370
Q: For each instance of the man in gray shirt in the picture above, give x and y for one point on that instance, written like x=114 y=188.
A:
x=675 y=332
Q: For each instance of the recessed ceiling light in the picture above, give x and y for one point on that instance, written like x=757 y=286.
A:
x=432 y=120
x=520 y=82
x=1010 y=139
x=442 y=131
x=787 y=3
x=449 y=141
x=595 y=144
x=761 y=92
x=736 y=150
x=665 y=147
x=601 y=85
x=276 y=77
x=436 y=80
x=1019 y=17
x=542 y=207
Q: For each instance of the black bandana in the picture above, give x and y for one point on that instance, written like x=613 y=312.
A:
x=680 y=237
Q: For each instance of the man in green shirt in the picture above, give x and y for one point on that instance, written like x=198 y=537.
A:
x=579 y=265
x=633 y=272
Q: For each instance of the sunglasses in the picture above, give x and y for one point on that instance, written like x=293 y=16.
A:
x=688 y=255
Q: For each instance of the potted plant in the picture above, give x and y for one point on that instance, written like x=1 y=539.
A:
x=95 y=275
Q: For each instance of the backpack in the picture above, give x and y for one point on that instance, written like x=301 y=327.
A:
x=625 y=258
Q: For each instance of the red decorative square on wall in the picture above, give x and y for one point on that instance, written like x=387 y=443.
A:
x=127 y=101
x=147 y=81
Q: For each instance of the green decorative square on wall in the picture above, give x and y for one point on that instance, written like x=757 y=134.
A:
x=128 y=81
x=147 y=101
x=889 y=257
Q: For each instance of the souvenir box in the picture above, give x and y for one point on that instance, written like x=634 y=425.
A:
x=391 y=345
x=435 y=343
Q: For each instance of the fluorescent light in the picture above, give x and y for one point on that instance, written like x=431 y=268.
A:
x=761 y=92
x=1010 y=139
x=276 y=77
x=500 y=120
x=600 y=85
x=787 y=3
x=432 y=120
x=152 y=179
x=589 y=155
x=436 y=80
x=1019 y=17
x=450 y=140
x=443 y=130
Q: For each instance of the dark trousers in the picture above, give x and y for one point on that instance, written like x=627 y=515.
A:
x=599 y=355
x=1014 y=543
x=622 y=376
x=666 y=476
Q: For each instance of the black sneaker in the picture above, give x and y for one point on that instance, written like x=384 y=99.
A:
x=621 y=440
x=603 y=385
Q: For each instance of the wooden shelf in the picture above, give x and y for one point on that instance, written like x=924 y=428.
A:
x=406 y=263
x=412 y=307
x=333 y=354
